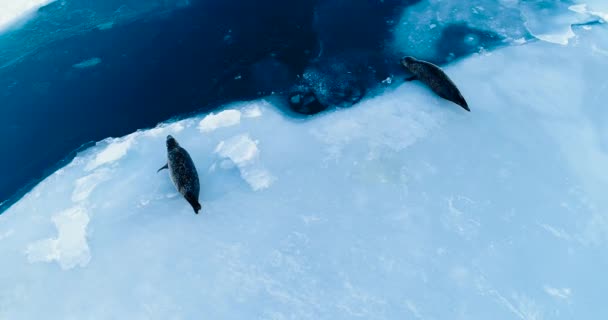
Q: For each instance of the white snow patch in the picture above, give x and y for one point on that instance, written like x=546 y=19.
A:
x=87 y=63
x=583 y=8
x=578 y=8
x=563 y=293
x=252 y=112
x=222 y=119
x=520 y=41
x=168 y=128
x=557 y=38
x=240 y=149
x=258 y=178
x=85 y=185
x=115 y=150
x=70 y=248
x=244 y=152
x=558 y=233
x=12 y=11
x=552 y=23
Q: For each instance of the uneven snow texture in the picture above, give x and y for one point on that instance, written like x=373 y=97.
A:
x=13 y=10
x=70 y=248
x=401 y=207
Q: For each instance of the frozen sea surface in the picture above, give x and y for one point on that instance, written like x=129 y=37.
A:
x=402 y=207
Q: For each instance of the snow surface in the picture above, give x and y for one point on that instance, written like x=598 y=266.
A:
x=401 y=207
x=12 y=11
x=225 y=118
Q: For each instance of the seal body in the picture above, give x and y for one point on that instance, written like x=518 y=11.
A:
x=183 y=173
x=432 y=76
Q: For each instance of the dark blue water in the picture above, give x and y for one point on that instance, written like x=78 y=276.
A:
x=185 y=61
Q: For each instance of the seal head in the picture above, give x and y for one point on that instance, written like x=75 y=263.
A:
x=171 y=143
x=406 y=61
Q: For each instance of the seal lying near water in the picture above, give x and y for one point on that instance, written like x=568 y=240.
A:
x=434 y=78
x=182 y=172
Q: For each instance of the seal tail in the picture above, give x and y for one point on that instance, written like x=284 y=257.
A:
x=457 y=98
x=463 y=103
x=193 y=202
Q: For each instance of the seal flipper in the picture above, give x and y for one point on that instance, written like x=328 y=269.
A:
x=411 y=78
x=166 y=166
x=193 y=202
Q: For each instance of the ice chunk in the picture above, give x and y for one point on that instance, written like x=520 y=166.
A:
x=167 y=128
x=115 y=149
x=552 y=24
x=252 y=112
x=105 y=25
x=243 y=152
x=240 y=149
x=598 y=8
x=222 y=119
x=87 y=63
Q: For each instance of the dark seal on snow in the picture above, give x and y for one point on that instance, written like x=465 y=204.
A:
x=434 y=78
x=182 y=172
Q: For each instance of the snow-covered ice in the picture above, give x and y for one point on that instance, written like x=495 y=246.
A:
x=401 y=207
x=70 y=248
x=225 y=118
x=12 y=11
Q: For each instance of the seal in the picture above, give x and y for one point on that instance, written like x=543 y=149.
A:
x=182 y=172
x=432 y=76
